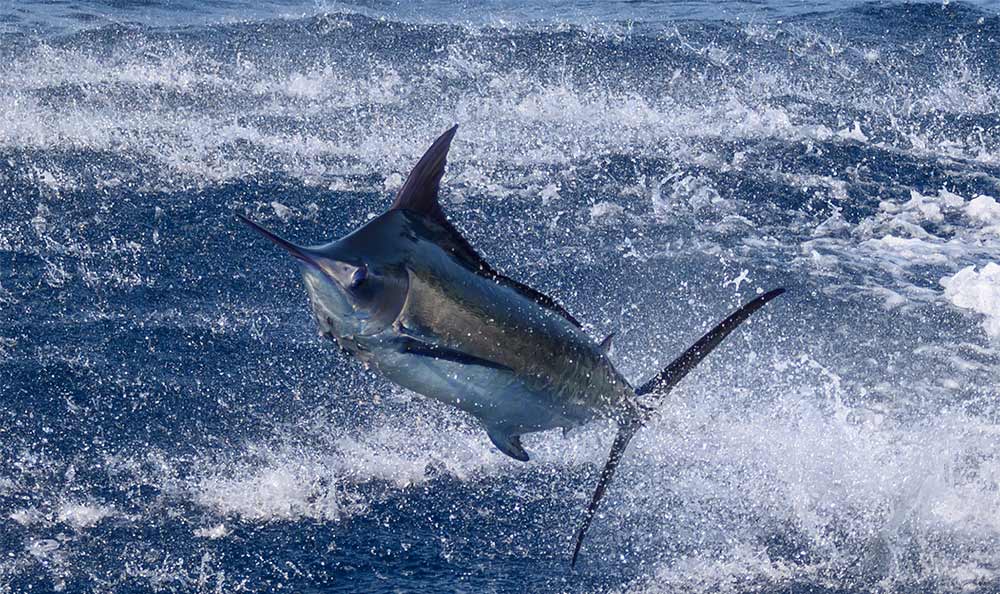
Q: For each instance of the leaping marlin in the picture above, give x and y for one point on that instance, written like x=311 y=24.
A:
x=409 y=296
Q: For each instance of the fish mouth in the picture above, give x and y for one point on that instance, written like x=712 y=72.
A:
x=298 y=252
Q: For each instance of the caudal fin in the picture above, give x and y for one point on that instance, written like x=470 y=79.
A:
x=660 y=386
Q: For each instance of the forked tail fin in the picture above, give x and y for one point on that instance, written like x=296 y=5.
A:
x=660 y=386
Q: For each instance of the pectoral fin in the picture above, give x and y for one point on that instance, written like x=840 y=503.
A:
x=420 y=348
x=508 y=444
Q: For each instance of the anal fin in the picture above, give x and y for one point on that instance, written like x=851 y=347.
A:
x=508 y=444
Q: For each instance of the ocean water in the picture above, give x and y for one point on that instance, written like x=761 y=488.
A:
x=171 y=422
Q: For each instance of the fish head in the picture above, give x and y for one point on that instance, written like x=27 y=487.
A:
x=350 y=294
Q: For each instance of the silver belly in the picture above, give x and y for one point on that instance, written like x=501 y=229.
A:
x=498 y=398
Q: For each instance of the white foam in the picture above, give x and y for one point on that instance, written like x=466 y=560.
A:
x=979 y=292
x=271 y=481
x=604 y=212
x=853 y=133
x=286 y=487
x=888 y=253
x=283 y=483
x=910 y=249
x=744 y=276
x=729 y=571
x=27 y=516
x=81 y=515
x=985 y=211
x=581 y=119
x=853 y=489
x=43 y=548
x=892 y=299
x=281 y=211
x=927 y=207
x=212 y=532
x=549 y=193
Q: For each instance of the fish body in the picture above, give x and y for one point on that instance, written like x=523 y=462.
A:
x=407 y=295
x=463 y=338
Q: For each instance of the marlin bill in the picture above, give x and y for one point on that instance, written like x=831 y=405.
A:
x=410 y=297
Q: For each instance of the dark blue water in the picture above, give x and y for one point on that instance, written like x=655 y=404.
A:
x=169 y=420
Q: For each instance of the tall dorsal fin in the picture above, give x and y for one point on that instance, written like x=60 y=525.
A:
x=420 y=192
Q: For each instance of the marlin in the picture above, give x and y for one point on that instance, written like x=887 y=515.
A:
x=410 y=297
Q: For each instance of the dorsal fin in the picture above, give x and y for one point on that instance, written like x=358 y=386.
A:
x=419 y=194
x=420 y=191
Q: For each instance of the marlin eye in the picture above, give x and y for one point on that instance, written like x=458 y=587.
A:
x=359 y=276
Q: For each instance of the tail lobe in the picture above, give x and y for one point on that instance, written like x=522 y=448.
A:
x=625 y=433
x=664 y=382
x=660 y=385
